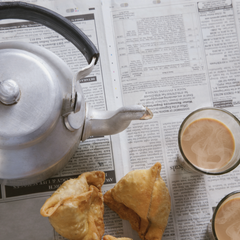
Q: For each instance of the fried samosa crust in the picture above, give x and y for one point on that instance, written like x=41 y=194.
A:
x=142 y=198
x=75 y=209
x=123 y=211
x=109 y=237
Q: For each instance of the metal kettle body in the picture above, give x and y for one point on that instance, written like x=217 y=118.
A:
x=34 y=141
x=43 y=112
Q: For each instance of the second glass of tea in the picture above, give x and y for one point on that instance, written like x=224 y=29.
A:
x=225 y=223
x=209 y=141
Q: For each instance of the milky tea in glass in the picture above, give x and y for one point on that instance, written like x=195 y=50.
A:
x=225 y=224
x=209 y=141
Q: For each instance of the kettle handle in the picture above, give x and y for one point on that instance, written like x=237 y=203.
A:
x=53 y=20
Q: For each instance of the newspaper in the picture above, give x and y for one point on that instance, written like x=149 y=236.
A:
x=171 y=56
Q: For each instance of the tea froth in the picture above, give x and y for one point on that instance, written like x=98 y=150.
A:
x=208 y=143
x=227 y=220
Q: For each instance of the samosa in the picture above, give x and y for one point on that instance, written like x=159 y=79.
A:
x=142 y=198
x=76 y=208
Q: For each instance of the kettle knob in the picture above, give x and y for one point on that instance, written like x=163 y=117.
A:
x=9 y=92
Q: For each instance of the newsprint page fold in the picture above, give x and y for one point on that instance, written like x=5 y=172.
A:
x=171 y=56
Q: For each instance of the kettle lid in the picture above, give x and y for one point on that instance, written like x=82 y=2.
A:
x=30 y=95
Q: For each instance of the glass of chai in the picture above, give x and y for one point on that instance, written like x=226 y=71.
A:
x=209 y=141
x=225 y=224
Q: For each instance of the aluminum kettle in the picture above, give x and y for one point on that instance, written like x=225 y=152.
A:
x=43 y=115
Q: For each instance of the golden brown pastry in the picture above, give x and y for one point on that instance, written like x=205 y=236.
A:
x=76 y=209
x=142 y=198
x=109 y=237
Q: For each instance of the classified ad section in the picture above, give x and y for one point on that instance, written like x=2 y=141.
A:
x=161 y=56
x=178 y=56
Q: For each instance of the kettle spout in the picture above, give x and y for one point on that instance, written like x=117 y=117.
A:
x=101 y=123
